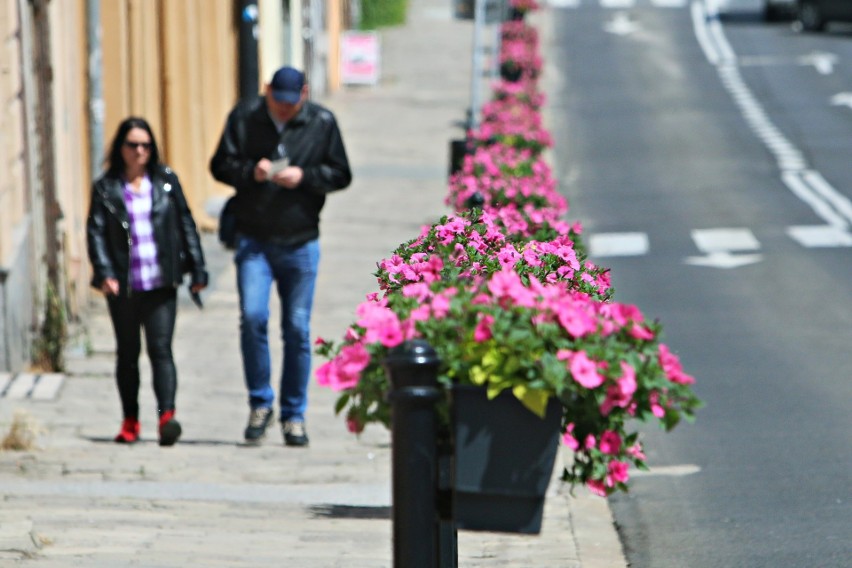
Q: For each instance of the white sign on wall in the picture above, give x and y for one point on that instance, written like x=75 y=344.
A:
x=359 y=58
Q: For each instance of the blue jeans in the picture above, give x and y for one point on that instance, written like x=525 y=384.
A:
x=294 y=270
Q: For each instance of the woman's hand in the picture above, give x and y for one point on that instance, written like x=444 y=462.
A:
x=109 y=287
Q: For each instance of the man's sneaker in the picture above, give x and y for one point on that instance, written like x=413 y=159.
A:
x=169 y=428
x=294 y=433
x=259 y=419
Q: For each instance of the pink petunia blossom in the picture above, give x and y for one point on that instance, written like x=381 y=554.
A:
x=584 y=370
x=617 y=472
x=610 y=443
x=483 y=328
x=568 y=438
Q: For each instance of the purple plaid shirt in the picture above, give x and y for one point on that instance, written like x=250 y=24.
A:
x=144 y=269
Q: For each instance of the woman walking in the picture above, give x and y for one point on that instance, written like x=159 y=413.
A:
x=142 y=240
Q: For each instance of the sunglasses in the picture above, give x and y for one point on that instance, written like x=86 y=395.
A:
x=135 y=145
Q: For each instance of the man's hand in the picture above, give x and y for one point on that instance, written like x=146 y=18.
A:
x=261 y=170
x=290 y=177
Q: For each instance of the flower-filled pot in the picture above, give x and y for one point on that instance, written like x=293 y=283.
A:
x=502 y=462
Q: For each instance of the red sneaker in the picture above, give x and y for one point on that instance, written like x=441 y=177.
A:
x=130 y=429
x=169 y=428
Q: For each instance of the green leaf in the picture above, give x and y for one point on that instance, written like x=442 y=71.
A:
x=534 y=399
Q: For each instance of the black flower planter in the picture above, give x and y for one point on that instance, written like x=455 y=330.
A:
x=503 y=461
x=510 y=72
x=515 y=15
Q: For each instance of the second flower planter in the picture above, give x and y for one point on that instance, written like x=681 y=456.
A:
x=502 y=462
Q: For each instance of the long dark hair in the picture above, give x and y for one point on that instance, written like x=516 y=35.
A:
x=115 y=162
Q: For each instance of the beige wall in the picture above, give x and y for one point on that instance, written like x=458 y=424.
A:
x=68 y=30
x=12 y=156
x=174 y=63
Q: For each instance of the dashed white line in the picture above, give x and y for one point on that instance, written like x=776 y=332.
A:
x=724 y=240
x=618 y=244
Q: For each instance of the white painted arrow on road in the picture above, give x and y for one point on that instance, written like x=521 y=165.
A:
x=842 y=99
x=724 y=260
x=822 y=61
x=621 y=24
x=719 y=244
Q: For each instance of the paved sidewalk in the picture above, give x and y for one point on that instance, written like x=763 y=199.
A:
x=81 y=500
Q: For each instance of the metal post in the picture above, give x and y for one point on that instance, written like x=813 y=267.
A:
x=248 y=62
x=476 y=70
x=412 y=368
x=96 y=98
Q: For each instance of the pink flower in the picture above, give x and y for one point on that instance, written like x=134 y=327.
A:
x=483 y=328
x=440 y=306
x=596 y=487
x=636 y=451
x=354 y=426
x=584 y=370
x=621 y=393
x=610 y=443
x=508 y=256
x=574 y=319
x=391 y=335
x=671 y=366
x=344 y=371
x=616 y=473
x=568 y=438
x=654 y=401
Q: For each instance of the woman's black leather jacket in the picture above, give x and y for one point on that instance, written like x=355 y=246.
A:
x=176 y=236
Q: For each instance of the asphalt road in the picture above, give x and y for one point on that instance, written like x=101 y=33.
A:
x=711 y=171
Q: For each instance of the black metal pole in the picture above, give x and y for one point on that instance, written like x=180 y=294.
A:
x=412 y=368
x=248 y=60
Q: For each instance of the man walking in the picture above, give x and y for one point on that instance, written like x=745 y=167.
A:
x=283 y=154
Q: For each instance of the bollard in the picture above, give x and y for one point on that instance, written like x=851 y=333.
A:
x=475 y=201
x=458 y=150
x=412 y=368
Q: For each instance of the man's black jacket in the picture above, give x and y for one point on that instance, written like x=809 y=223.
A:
x=313 y=142
x=175 y=233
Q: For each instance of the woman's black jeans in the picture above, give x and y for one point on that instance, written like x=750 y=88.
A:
x=154 y=311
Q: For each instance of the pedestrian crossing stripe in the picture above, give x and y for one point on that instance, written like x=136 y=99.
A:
x=32 y=386
x=717 y=240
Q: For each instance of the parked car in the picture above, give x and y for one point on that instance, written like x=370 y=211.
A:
x=813 y=15
x=770 y=10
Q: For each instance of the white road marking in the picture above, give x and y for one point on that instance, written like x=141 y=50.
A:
x=673 y=470
x=724 y=240
x=5 y=379
x=621 y=24
x=617 y=3
x=822 y=61
x=48 y=386
x=803 y=191
x=820 y=236
x=21 y=386
x=842 y=99
x=618 y=244
x=806 y=184
x=563 y=3
x=724 y=259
